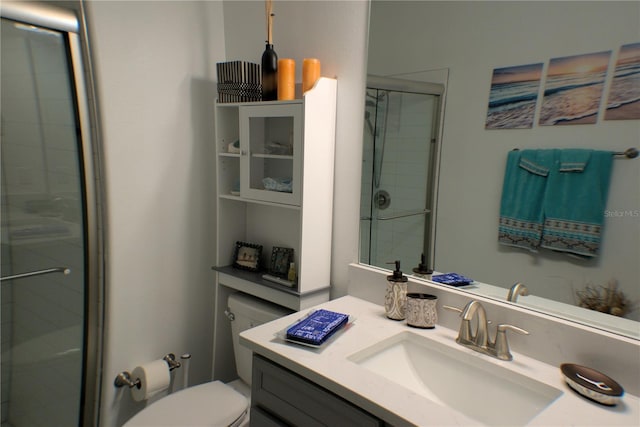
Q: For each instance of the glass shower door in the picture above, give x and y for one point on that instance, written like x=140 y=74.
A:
x=397 y=177
x=43 y=231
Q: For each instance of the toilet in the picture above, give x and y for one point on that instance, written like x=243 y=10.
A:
x=215 y=403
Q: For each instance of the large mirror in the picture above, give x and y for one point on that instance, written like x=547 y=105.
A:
x=458 y=45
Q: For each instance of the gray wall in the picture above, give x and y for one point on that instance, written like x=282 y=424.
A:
x=155 y=66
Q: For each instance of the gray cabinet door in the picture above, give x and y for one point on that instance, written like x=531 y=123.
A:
x=281 y=397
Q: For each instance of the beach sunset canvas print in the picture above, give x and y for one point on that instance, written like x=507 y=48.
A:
x=624 y=94
x=513 y=97
x=573 y=89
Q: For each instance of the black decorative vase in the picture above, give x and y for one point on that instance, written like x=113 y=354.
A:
x=269 y=74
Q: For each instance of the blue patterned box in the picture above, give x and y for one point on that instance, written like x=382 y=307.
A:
x=317 y=327
x=452 y=279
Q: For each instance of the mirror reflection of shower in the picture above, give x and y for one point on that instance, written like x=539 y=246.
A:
x=401 y=122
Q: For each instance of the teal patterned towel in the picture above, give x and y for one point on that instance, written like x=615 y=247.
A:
x=575 y=201
x=521 y=206
x=555 y=199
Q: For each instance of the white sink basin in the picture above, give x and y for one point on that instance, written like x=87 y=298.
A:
x=468 y=383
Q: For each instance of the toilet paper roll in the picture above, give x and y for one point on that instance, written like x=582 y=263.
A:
x=154 y=377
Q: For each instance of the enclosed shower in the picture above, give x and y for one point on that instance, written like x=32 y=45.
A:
x=50 y=287
x=400 y=152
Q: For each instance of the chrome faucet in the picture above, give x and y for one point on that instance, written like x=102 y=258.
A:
x=517 y=289
x=466 y=337
x=479 y=339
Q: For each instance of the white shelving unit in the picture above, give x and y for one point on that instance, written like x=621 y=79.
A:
x=291 y=143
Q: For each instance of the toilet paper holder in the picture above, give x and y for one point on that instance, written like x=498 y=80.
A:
x=124 y=377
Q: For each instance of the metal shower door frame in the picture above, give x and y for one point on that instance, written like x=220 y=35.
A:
x=66 y=21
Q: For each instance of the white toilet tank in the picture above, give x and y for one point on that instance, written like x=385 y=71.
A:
x=248 y=312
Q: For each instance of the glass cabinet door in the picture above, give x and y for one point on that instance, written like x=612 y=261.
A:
x=270 y=156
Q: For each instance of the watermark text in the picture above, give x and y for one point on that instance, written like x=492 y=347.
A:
x=633 y=213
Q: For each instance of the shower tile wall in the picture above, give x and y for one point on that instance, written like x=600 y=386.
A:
x=42 y=317
x=404 y=176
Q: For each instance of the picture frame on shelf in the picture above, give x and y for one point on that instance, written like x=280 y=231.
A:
x=281 y=258
x=247 y=256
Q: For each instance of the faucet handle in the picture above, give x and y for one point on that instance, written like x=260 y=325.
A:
x=502 y=345
x=504 y=327
x=448 y=307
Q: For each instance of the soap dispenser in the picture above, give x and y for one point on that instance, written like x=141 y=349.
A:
x=395 y=298
x=422 y=270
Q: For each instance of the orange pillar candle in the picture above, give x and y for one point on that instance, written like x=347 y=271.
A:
x=310 y=73
x=286 y=79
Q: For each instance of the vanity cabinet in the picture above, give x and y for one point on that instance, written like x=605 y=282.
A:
x=274 y=163
x=280 y=397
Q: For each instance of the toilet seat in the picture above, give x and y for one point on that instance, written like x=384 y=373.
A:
x=209 y=404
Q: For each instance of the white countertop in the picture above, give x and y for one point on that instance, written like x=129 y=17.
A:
x=329 y=367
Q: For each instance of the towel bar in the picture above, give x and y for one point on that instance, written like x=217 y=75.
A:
x=629 y=153
x=63 y=270
x=404 y=214
x=396 y=216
